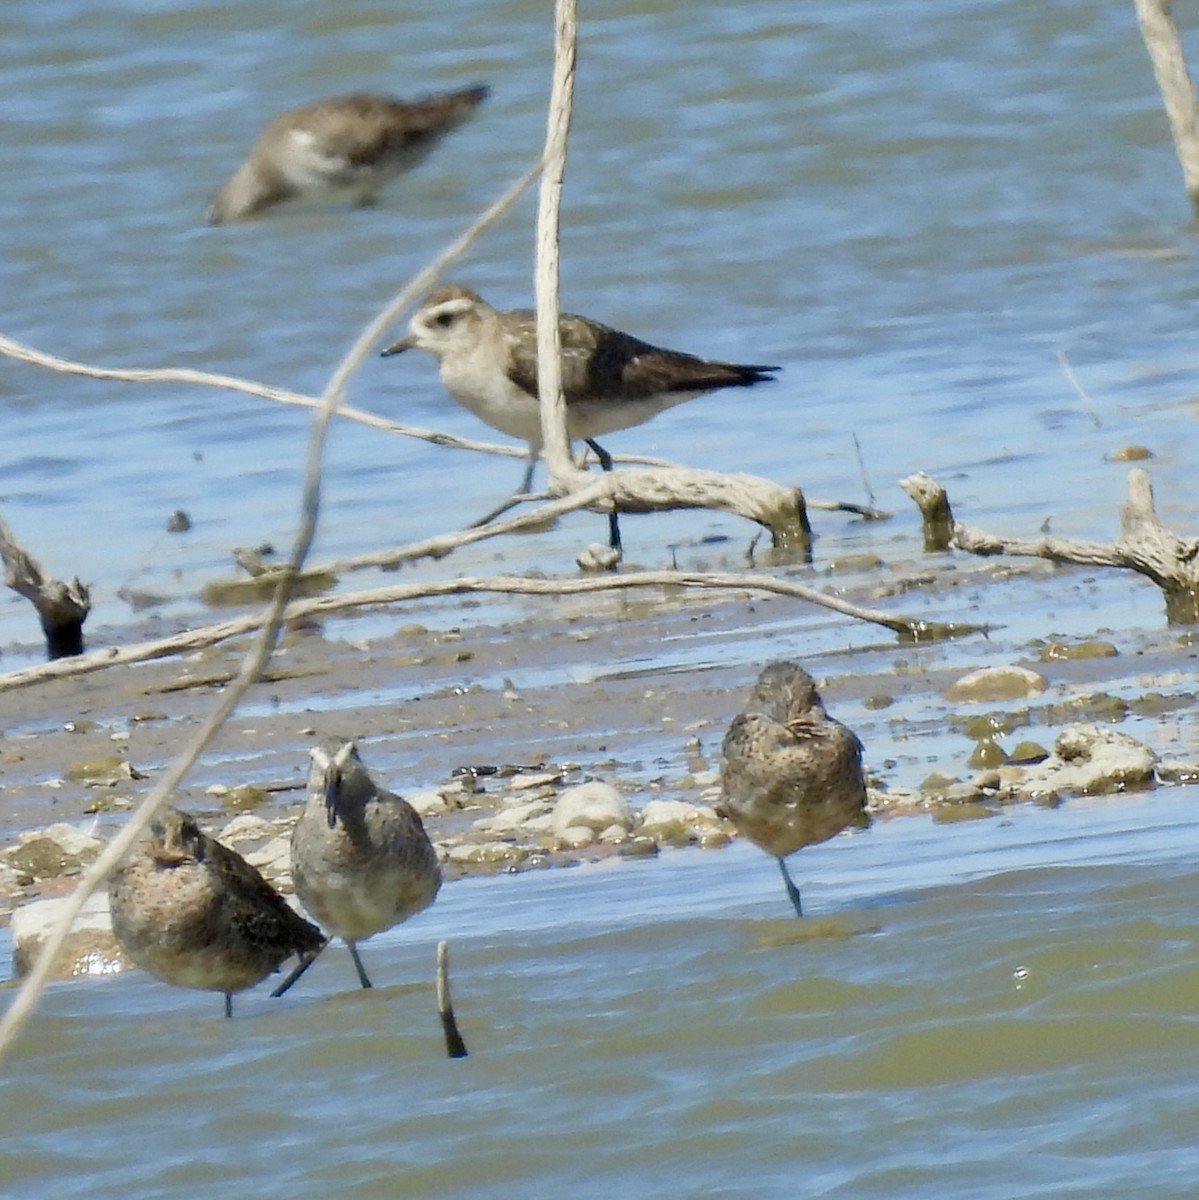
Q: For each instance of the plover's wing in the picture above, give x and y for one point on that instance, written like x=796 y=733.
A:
x=253 y=905
x=599 y=362
x=355 y=133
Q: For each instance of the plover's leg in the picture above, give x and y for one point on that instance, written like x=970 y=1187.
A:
x=516 y=496
x=362 y=979
x=228 y=1006
x=605 y=462
x=306 y=960
x=792 y=890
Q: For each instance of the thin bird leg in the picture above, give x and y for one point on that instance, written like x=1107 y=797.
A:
x=306 y=960
x=792 y=890
x=362 y=979
x=228 y=1006
x=512 y=500
x=605 y=462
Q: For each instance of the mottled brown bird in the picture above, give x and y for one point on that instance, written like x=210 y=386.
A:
x=611 y=380
x=792 y=775
x=196 y=914
x=343 y=147
x=360 y=858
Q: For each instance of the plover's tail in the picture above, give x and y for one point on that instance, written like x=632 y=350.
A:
x=443 y=110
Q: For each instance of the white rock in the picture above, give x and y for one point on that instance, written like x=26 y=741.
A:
x=997 y=683
x=427 y=803
x=515 y=817
x=90 y=949
x=246 y=828
x=274 y=858
x=670 y=818
x=67 y=838
x=1092 y=759
x=583 y=811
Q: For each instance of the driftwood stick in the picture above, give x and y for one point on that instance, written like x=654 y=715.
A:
x=61 y=607
x=1144 y=545
x=909 y=629
x=1178 y=92
x=934 y=508
x=564 y=475
x=66 y=366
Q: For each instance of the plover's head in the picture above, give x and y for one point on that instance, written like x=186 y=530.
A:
x=175 y=838
x=450 y=321
x=784 y=690
x=332 y=763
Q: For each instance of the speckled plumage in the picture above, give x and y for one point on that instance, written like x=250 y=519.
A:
x=361 y=860
x=611 y=380
x=791 y=774
x=343 y=146
x=196 y=914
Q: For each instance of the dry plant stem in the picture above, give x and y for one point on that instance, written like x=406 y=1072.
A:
x=61 y=607
x=910 y=629
x=269 y=624
x=1178 y=93
x=934 y=508
x=1144 y=545
x=559 y=464
x=1086 y=400
x=66 y=366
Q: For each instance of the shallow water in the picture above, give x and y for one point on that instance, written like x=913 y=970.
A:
x=963 y=1015
x=912 y=216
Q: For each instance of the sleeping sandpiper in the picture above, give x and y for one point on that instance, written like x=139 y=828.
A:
x=611 y=380
x=792 y=775
x=343 y=147
x=360 y=858
x=196 y=914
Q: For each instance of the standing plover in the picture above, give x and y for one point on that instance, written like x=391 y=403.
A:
x=196 y=914
x=792 y=775
x=360 y=858
x=342 y=147
x=611 y=380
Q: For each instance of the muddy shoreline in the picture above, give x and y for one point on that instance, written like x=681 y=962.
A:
x=637 y=690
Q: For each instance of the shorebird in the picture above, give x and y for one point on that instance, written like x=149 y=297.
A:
x=360 y=858
x=342 y=147
x=611 y=380
x=792 y=775
x=196 y=914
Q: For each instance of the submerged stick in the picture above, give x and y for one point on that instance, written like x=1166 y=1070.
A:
x=455 y=1047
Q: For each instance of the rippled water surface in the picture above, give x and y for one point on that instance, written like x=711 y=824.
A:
x=962 y=1015
x=913 y=212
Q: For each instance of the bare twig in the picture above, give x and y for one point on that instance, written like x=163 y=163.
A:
x=559 y=464
x=1086 y=400
x=911 y=629
x=857 y=448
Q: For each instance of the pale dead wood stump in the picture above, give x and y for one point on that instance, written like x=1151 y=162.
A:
x=931 y=500
x=1144 y=545
x=61 y=607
